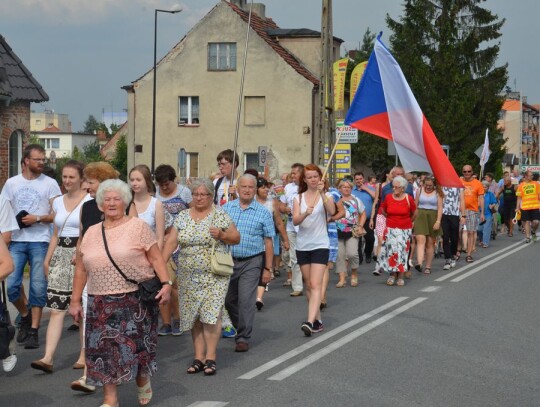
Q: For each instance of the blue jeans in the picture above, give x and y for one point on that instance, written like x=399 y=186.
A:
x=485 y=230
x=34 y=254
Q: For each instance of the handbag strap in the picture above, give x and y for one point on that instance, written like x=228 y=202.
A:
x=4 y=295
x=69 y=214
x=129 y=280
x=215 y=240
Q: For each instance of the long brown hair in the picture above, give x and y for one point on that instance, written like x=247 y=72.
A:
x=436 y=185
x=302 y=186
x=145 y=171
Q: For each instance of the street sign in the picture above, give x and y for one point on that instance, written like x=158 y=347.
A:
x=346 y=134
x=342 y=157
x=533 y=168
x=263 y=155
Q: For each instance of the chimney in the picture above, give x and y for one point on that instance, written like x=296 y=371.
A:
x=259 y=9
x=240 y=3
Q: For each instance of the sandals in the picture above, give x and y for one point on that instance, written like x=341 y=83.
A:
x=210 y=367
x=195 y=367
x=427 y=270
x=354 y=281
x=342 y=284
x=144 y=393
x=469 y=259
x=400 y=282
x=287 y=283
x=391 y=280
x=418 y=268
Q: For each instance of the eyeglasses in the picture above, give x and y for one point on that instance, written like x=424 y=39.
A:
x=41 y=160
x=222 y=163
x=199 y=195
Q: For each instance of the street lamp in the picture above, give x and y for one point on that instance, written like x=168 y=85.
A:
x=174 y=10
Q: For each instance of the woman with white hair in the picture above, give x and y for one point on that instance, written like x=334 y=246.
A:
x=400 y=210
x=121 y=331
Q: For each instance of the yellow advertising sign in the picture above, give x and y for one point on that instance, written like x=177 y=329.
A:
x=356 y=76
x=339 y=69
x=342 y=158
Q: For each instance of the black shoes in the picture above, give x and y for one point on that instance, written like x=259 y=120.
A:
x=26 y=324
x=32 y=341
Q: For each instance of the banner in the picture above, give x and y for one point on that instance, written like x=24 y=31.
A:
x=356 y=76
x=339 y=69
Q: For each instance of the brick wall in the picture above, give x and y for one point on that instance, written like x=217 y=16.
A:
x=14 y=117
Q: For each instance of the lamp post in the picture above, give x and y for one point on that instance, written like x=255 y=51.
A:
x=175 y=10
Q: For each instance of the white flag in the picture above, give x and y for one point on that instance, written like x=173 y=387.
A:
x=485 y=151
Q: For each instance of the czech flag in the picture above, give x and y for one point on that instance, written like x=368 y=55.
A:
x=385 y=106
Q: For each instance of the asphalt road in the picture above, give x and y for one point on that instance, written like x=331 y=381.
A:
x=465 y=337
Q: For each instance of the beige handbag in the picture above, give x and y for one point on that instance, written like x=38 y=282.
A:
x=221 y=263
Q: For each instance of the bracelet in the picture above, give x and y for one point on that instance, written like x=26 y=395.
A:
x=267 y=269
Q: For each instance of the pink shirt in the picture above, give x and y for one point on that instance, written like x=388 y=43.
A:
x=128 y=244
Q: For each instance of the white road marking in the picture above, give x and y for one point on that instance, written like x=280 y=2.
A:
x=471 y=265
x=431 y=289
x=314 y=357
x=489 y=263
x=208 y=404
x=313 y=342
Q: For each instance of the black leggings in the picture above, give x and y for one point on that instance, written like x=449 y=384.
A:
x=450 y=227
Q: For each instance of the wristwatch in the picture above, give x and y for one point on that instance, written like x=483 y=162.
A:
x=38 y=219
x=167 y=282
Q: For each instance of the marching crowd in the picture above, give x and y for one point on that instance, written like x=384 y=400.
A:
x=90 y=244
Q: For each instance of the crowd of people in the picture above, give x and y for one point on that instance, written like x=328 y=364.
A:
x=88 y=244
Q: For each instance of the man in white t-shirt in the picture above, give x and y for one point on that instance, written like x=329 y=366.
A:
x=29 y=195
x=8 y=222
x=291 y=191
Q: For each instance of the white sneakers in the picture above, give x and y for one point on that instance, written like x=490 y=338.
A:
x=9 y=363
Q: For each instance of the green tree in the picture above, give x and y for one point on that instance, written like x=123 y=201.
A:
x=447 y=50
x=91 y=125
x=114 y=128
x=119 y=162
x=91 y=152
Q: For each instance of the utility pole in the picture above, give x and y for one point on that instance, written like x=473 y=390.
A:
x=327 y=125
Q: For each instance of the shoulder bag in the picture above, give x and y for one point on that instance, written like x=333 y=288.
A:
x=221 y=263
x=7 y=331
x=148 y=290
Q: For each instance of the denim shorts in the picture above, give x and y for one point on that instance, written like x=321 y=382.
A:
x=32 y=253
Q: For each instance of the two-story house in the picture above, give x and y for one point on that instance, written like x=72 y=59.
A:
x=198 y=87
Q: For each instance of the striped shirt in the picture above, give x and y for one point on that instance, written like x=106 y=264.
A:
x=254 y=224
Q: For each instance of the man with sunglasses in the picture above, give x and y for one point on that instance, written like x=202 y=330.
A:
x=528 y=201
x=474 y=202
x=29 y=194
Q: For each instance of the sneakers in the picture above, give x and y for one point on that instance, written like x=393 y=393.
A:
x=317 y=326
x=176 y=331
x=32 y=340
x=165 y=330
x=296 y=294
x=534 y=237
x=228 y=332
x=377 y=272
x=453 y=263
x=259 y=304
x=9 y=363
x=80 y=385
x=307 y=328
x=447 y=265
x=24 y=327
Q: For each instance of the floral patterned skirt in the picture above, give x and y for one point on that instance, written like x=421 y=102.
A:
x=60 y=279
x=121 y=338
x=395 y=250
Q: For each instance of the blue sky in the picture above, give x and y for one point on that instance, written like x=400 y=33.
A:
x=83 y=51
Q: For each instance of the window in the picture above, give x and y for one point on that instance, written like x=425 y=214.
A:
x=38 y=121
x=188 y=110
x=192 y=164
x=222 y=56
x=254 y=110
x=15 y=153
x=50 y=143
x=251 y=160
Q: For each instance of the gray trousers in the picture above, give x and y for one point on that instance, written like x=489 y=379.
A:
x=242 y=295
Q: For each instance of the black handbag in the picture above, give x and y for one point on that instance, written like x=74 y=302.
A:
x=148 y=290
x=7 y=331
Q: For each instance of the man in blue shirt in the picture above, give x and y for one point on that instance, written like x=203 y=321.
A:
x=366 y=194
x=254 y=253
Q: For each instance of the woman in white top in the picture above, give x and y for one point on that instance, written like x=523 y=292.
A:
x=60 y=259
x=148 y=207
x=311 y=209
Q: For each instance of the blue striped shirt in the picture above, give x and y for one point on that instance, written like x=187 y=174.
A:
x=254 y=224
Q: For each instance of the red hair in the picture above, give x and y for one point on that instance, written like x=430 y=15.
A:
x=302 y=186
